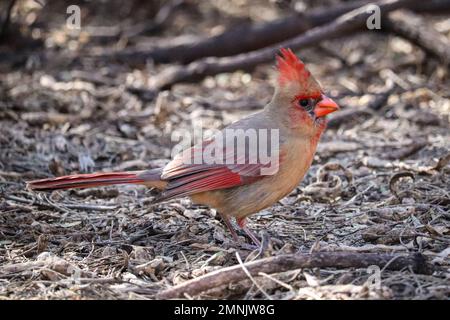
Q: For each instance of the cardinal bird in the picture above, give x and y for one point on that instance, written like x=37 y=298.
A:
x=297 y=110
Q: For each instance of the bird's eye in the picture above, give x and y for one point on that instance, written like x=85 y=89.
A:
x=304 y=102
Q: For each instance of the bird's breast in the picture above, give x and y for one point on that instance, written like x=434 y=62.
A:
x=247 y=199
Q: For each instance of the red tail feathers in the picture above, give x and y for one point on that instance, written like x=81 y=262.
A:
x=94 y=180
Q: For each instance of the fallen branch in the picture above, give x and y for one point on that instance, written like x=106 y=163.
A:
x=251 y=37
x=414 y=28
x=284 y=263
x=239 y=39
x=343 y=25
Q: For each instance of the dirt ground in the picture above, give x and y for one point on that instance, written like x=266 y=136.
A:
x=379 y=181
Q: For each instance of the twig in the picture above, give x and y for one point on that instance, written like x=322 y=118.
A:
x=239 y=39
x=346 y=23
x=250 y=37
x=247 y=273
x=356 y=196
x=66 y=205
x=92 y=280
x=284 y=263
x=369 y=248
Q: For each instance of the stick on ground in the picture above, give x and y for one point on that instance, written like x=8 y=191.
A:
x=284 y=263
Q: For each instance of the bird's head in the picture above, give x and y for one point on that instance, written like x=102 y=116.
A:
x=302 y=96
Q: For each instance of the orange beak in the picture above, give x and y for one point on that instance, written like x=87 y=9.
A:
x=325 y=106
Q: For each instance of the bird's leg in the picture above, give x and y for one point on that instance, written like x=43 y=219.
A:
x=241 y=222
x=227 y=222
x=250 y=234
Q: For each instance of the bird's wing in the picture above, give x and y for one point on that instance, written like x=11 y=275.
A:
x=188 y=173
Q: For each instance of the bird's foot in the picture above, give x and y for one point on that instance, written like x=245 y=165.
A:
x=252 y=236
x=242 y=224
x=260 y=245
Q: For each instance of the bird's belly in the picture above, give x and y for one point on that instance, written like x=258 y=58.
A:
x=247 y=199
